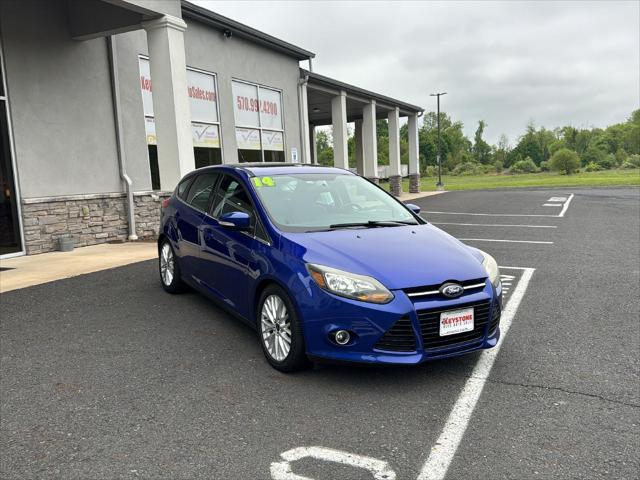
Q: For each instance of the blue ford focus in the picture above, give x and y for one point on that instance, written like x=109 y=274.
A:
x=325 y=265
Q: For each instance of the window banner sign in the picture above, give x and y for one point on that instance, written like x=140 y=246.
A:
x=145 y=85
x=202 y=96
x=273 y=140
x=248 y=138
x=201 y=88
x=270 y=109
x=245 y=104
x=205 y=135
x=150 y=130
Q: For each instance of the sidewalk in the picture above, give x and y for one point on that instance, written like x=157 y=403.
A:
x=405 y=197
x=36 y=269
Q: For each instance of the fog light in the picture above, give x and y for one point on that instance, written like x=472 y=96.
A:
x=342 y=337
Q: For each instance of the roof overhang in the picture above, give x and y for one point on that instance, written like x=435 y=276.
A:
x=321 y=89
x=237 y=29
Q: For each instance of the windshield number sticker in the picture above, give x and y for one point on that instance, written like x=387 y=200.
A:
x=263 y=182
x=268 y=182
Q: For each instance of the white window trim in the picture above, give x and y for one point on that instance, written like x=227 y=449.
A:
x=260 y=128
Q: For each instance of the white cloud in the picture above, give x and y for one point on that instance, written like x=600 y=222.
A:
x=555 y=63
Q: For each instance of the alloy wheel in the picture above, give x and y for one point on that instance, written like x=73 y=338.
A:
x=166 y=264
x=275 y=328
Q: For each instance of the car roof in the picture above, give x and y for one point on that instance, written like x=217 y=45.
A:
x=280 y=168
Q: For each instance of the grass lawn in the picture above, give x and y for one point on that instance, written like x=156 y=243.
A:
x=545 y=179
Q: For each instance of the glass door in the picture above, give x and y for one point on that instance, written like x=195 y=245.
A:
x=10 y=235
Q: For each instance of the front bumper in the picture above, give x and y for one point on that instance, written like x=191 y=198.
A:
x=368 y=323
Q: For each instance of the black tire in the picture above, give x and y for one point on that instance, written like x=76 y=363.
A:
x=175 y=285
x=296 y=359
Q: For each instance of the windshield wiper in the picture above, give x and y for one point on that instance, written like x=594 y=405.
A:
x=372 y=224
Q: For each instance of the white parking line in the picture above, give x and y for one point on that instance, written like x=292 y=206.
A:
x=495 y=214
x=441 y=455
x=566 y=206
x=493 y=225
x=557 y=199
x=506 y=241
x=551 y=204
x=560 y=215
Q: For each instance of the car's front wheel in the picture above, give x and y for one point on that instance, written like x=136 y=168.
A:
x=169 y=268
x=280 y=331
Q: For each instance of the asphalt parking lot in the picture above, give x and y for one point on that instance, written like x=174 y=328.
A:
x=106 y=376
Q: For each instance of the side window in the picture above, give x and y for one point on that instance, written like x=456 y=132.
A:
x=232 y=197
x=183 y=187
x=201 y=189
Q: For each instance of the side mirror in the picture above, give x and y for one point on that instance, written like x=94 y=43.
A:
x=235 y=221
x=414 y=208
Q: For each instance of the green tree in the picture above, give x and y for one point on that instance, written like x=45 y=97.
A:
x=565 y=160
x=481 y=149
x=593 y=154
x=324 y=148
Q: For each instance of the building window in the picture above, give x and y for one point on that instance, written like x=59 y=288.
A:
x=205 y=121
x=259 y=124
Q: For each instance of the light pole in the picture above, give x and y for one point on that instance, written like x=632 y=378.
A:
x=439 y=185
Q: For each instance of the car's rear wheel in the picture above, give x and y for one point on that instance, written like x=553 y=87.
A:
x=169 y=268
x=280 y=331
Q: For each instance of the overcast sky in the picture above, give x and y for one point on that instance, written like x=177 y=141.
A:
x=504 y=62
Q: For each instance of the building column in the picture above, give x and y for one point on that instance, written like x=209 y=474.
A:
x=165 y=38
x=339 y=120
x=306 y=138
x=395 y=170
x=313 y=138
x=414 y=155
x=314 y=143
x=359 y=147
x=370 y=141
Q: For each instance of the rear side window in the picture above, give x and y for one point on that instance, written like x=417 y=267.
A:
x=200 y=191
x=183 y=187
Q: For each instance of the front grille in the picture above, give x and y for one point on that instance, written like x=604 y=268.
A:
x=399 y=338
x=431 y=291
x=495 y=319
x=430 y=326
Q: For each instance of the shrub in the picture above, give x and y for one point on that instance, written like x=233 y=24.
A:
x=498 y=166
x=632 y=162
x=592 y=167
x=544 y=166
x=565 y=160
x=621 y=156
x=524 y=166
x=431 y=171
x=467 y=168
x=607 y=162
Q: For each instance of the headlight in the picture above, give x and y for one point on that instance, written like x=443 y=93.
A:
x=491 y=266
x=350 y=285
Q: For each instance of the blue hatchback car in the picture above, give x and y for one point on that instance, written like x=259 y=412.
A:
x=326 y=265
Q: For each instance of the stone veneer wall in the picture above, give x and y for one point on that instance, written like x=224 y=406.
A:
x=414 y=183
x=88 y=219
x=395 y=185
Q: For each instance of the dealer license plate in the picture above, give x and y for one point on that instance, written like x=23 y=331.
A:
x=456 y=321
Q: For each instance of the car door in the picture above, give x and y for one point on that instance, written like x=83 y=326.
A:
x=188 y=217
x=228 y=256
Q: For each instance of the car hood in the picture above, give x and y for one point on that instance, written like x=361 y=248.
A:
x=399 y=257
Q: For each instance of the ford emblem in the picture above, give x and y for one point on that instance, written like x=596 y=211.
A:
x=451 y=290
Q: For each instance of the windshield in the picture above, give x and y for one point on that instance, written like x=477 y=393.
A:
x=310 y=202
